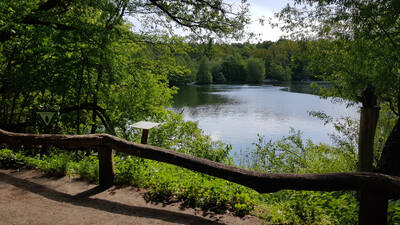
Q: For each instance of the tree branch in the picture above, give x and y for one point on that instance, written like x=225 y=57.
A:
x=105 y=119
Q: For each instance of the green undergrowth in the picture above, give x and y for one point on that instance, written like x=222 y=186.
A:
x=165 y=183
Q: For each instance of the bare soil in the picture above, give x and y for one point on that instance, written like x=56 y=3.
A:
x=30 y=197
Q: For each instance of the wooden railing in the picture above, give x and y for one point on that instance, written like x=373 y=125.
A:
x=378 y=186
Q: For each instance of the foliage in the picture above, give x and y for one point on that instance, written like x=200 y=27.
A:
x=234 y=69
x=210 y=18
x=166 y=183
x=283 y=60
x=188 y=75
x=186 y=137
x=255 y=70
x=182 y=136
x=393 y=212
x=8 y=159
x=386 y=122
x=307 y=207
x=83 y=59
x=347 y=138
x=218 y=76
x=203 y=74
x=70 y=69
x=358 y=47
x=278 y=63
x=278 y=72
x=291 y=155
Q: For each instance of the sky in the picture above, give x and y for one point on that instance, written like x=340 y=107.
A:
x=266 y=9
x=258 y=9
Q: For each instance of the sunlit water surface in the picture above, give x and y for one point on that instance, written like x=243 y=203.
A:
x=236 y=114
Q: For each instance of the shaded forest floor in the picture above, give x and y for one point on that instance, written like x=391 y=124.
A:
x=30 y=197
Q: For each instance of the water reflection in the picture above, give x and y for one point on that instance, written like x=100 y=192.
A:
x=235 y=114
x=196 y=95
x=301 y=87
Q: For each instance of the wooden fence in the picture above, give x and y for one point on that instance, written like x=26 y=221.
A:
x=378 y=186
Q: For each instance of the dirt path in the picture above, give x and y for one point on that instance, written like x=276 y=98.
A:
x=29 y=197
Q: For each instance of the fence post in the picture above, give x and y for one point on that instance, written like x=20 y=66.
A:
x=368 y=120
x=373 y=204
x=145 y=135
x=373 y=208
x=106 y=166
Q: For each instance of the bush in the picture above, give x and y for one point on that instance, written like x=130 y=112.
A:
x=54 y=164
x=186 y=137
x=9 y=160
x=292 y=154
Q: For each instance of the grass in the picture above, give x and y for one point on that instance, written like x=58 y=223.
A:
x=167 y=183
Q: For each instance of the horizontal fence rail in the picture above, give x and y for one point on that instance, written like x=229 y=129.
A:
x=261 y=182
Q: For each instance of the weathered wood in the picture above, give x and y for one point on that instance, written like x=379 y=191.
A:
x=373 y=208
x=261 y=182
x=145 y=135
x=61 y=141
x=373 y=204
x=106 y=166
x=368 y=120
x=145 y=126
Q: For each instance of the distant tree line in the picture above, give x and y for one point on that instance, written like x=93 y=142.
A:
x=283 y=60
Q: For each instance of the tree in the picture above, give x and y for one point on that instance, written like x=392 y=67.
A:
x=279 y=60
x=84 y=57
x=234 y=69
x=204 y=74
x=184 y=75
x=216 y=72
x=359 y=53
x=361 y=48
x=278 y=72
x=255 y=70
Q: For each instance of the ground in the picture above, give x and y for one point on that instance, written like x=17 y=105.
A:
x=30 y=197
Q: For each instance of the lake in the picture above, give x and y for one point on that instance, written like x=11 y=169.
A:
x=236 y=114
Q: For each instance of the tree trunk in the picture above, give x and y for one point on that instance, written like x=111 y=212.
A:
x=389 y=161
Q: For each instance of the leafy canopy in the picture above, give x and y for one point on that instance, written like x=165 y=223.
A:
x=85 y=59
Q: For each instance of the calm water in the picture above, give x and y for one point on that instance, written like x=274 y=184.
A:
x=235 y=114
